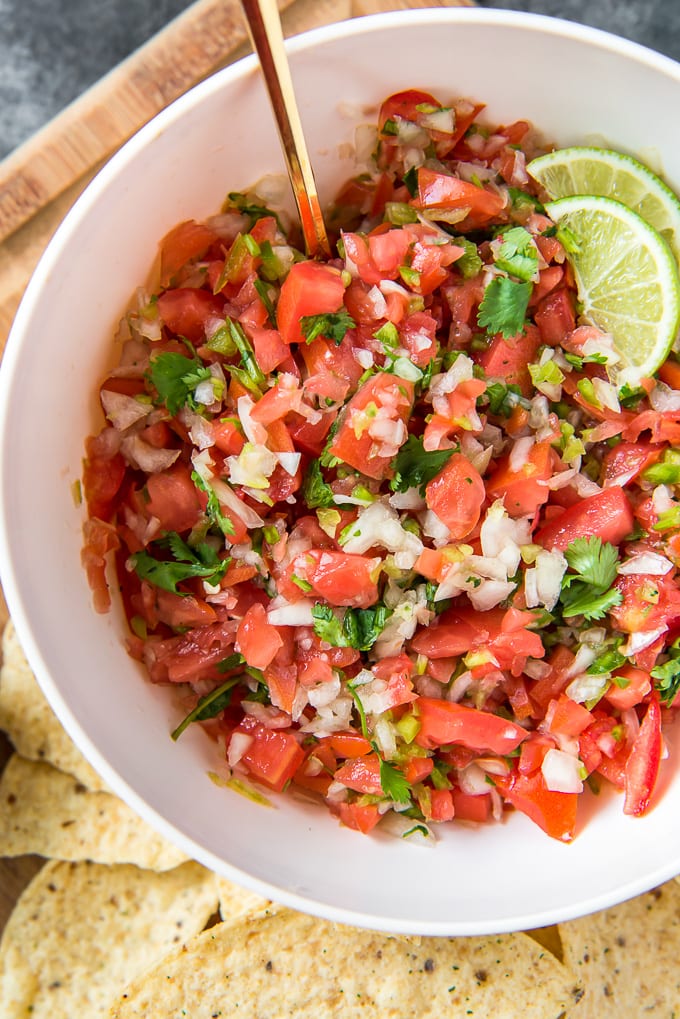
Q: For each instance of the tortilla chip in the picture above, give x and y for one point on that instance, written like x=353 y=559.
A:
x=295 y=965
x=236 y=902
x=29 y=721
x=44 y=811
x=627 y=957
x=81 y=931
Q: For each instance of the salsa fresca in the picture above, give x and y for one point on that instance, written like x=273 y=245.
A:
x=383 y=521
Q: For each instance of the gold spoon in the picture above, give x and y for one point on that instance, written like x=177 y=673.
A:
x=267 y=37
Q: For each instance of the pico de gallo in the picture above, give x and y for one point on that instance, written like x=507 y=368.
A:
x=384 y=521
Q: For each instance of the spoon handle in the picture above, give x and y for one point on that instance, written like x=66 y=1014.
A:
x=267 y=36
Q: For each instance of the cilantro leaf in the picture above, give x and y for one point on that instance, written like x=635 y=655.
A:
x=333 y=326
x=175 y=377
x=248 y=361
x=203 y=562
x=593 y=561
x=209 y=706
x=591 y=604
x=394 y=783
x=252 y=209
x=504 y=306
x=503 y=399
x=415 y=467
x=668 y=679
x=213 y=508
x=315 y=490
x=518 y=255
x=359 y=628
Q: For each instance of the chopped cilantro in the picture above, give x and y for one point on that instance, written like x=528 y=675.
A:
x=263 y=293
x=504 y=306
x=414 y=466
x=248 y=361
x=667 y=678
x=208 y=706
x=213 y=508
x=315 y=490
x=333 y=326
x=202 y=562
x=587 y=591
x=254 y=211
x=503 y=399
x=175 y=377
x=411 y=181
x=518 y=255
x=394 y=783
x=359 y=628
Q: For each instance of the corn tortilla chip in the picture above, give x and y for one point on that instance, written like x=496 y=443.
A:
x=288 y=964
x=627 y=957
x=29 y=721
x=81 y=931
x=44 y=811
x=235 y=902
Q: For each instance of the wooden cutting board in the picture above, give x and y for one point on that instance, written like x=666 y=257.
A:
x=42 y=179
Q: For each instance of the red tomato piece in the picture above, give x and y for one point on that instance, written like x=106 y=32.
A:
x=441 y=805
x=273 y=757
x=383 y=397
x=626 y=461
x=607 y=515
x=444 y=722
x=471 y=808
x=642 y=766
x=173 y=498
x=102 y=480
x=310 y=288
x=554 y=812
x=186 y=310
x=257 y=640
x=361 y=817
x=444 y=191
x=349 y=744
x=649 y=603
x=417 y=769
x=524 y=490
x=362 y=774
x=187 y=241
x=405 y=105
x=555 y=316
x=457 y=495
x=507 y=358
x=638 y=684
x=565 y=717
x=338 y=577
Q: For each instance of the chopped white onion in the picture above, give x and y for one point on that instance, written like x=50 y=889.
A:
x=646 y=562
x=238 y=745
x=639 y=641
x=291 y=614
x=587 y=688
x=663 y=398
x=519 y=454
x=562 y=772
x=123 y=411
x=146 y=457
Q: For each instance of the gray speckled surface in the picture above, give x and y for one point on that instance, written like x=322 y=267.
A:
x=52 y=50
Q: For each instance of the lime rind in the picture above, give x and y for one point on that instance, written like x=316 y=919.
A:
x=586 y=170
x=627 y=280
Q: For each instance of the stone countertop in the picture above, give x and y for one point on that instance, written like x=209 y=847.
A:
x=53 y=50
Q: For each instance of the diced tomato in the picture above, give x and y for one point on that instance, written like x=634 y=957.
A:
x=534 y=749
x=441 y=805
x=173 y=498
x=349 y=744
x=257 y=640
x=607 y=515
x=273 y=757
x=270 y=350
x=649 y=603
x=362 y=774
x=405 y=105
x=554 y=812
x=457 y=495
x=626 y=461
x=99 y=539
x=565 y=717
x=228 y=436
x=333 y=370
x=462 y=630
x=188 y=240
x=338 y=577
x=555 y=316
x=642 y=767
x=361 y=817
x=444 y=191
x=384 y=395
x=524 y=490
x=507 y=358
x=444 y=722
x=182 y=611
x=471 y=808
x=637 y=684
x=417 y=769
x=310 y=288
x=186 y=310
x=102 y=480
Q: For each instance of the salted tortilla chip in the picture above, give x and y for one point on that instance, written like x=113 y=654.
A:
x=236 y=902
x=28 y=719
x=627 y=957
x=44 y=811
x=295 y=965
x=81 y=931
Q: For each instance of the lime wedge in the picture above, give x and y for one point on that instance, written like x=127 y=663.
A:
x=627 y=280
x=592 y=171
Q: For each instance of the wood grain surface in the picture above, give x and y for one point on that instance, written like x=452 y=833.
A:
x=42 y=179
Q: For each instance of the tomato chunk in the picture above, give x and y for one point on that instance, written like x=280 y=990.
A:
x=273 y=756
x=607 y=515
x=457 y=495
x=443 y=722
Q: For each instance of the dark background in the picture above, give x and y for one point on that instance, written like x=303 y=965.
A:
x=52 y=50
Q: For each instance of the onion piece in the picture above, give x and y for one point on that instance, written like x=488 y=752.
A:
x=562 y=772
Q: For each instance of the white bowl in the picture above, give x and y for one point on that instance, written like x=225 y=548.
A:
x=573 y=83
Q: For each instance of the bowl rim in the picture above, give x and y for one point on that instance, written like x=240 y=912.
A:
x=10 y=570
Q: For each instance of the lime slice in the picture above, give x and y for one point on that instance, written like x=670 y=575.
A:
x=592 y=171
x=627 y=280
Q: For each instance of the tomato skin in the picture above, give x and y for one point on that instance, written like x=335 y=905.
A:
x=273 y=756
x=349 y=744
x=461 y=630
x=555 y=316
x=188 y=240
x=507 y=358
x=626 y=461
x=639 y=684
x=257 y=640
x=362 y=774
x=310 y=288
x=383 y=390
x=339 y=577
x=521 y=490
x=457 y=495
x=173 y=498
x=441 y=805
x=405 y=105
x=444 y=722
x=554 y=812
x=642 y=766
x=358 y=816
x=607 y=515
x=567 y=718
x=186 y=310
x=471 y=808
x=443 y=191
